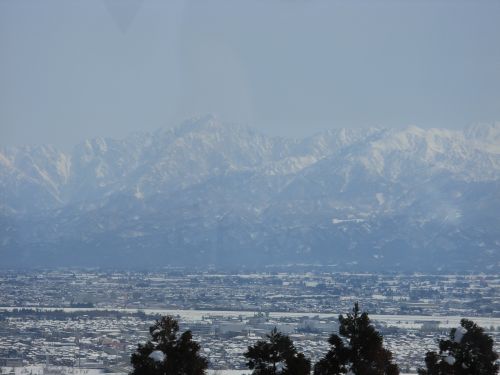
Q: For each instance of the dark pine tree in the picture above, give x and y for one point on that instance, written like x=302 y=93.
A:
x=468 y=351
x=167 y=353
x=359 y=351
x=277 y=356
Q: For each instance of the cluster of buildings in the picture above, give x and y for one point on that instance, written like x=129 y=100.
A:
x=95 y=319
x=309 y=292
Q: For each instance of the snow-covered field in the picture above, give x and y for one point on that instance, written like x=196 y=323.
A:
x=401 y=321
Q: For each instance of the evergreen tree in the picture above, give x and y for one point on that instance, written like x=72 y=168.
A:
x=468 y=351
x=167 y=353
x=277 y=356
x=359 y=351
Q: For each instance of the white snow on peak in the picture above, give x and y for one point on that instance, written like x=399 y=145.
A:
x=485 y=137
x=101 y=144
x=63 y=166
x=45 y=176
x=204 y=148
x=101 y=170
x=5 y=161
x=289 y=165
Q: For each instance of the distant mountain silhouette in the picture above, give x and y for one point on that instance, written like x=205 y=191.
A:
x=209 y=193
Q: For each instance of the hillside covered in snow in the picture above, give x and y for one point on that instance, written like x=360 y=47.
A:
x=208 y=193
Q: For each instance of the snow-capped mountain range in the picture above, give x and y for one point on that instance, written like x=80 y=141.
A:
x=210 y=193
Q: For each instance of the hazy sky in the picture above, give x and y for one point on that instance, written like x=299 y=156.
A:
x=76 y=69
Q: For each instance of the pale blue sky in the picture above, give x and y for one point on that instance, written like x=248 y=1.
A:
x=76 y=69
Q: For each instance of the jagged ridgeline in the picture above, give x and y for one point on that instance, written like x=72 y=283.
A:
x=207 y=193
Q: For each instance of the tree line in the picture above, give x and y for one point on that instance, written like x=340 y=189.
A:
x=357 y=350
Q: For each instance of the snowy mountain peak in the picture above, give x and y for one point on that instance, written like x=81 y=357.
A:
x=395 y=190
x=485 y=132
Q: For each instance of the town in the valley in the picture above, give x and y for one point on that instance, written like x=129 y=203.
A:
x=92 y=320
